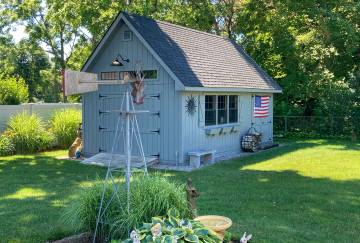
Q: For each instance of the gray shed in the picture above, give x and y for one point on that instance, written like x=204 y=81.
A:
x=202 y=90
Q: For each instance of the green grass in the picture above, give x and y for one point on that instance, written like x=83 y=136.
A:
x=304 y=191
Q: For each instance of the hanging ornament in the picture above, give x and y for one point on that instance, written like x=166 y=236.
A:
x=190 y=106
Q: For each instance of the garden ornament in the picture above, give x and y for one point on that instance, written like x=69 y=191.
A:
x=245 y=238
x=190 y=106
x=138 y=85
x=75 y=149
x=192 y=194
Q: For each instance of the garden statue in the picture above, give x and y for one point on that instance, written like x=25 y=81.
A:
x=192 y=194
x=245 y=238
x=75 y=149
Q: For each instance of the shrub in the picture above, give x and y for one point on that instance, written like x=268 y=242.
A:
x=150 y=196
x=6 y=146
x=13 y=91
x=173 y=229
x=64 y=126
x=28 y=133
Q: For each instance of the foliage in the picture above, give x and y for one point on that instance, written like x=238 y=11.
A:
x=28 y=134
x=227 y=237
x=6 y=146
x=13 y=91
x=32 y=64
x=172 y=229
x=64 y=126
x=150 y=196
x=310 y=48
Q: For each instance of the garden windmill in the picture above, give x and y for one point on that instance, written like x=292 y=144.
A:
x=127 y=128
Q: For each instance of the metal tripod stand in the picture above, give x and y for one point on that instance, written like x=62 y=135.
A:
x=127 y=128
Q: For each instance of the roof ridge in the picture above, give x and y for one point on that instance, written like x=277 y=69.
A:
x=180 y=26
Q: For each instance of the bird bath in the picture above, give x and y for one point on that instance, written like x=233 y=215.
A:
x=219 y=224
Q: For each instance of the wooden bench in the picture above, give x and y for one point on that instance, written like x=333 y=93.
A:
x=195 y=157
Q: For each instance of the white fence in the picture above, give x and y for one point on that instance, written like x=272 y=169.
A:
x=44 y=110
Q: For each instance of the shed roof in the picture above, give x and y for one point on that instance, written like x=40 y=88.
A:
x=200 y=59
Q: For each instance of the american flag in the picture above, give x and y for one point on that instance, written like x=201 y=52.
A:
x=261 y=106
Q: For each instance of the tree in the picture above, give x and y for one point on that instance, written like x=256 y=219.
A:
x=13 y=91
x=226 y=16
x=32 y=64
x=53 y=23
x=308 y=47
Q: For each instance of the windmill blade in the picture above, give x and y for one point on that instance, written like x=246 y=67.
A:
x=75 y=82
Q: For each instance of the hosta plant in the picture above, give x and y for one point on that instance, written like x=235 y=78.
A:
x=172 y=229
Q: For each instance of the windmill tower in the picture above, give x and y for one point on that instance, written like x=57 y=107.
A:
x=127 y=130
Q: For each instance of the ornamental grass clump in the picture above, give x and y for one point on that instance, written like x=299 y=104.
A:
x=6 y=146
x=150 y=196
x=64 y=126
x=28 y=134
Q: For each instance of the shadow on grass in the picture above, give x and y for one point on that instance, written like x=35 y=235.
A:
x=34 y=192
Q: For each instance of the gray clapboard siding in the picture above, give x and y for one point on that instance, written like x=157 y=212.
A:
x=194 y=134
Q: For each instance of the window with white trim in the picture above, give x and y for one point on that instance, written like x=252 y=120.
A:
x=221 y=109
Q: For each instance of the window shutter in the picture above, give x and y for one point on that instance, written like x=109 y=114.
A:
x=201 y=110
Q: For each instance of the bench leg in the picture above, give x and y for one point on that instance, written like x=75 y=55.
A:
x=195 y=161
x=210 y=158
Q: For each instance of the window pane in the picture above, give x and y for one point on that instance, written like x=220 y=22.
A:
x=221 y=102
x=233 y=101
x=210 y=110
x=150 y=74
x=222 y=116
x=109 y=75
x=233 y=109
x=209 y=102
x=222 y=109
x=210 y=117
x=233 y=115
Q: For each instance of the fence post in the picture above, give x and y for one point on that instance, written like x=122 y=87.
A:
x=286 y=124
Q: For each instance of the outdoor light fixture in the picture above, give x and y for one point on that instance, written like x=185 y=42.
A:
x=116 y=61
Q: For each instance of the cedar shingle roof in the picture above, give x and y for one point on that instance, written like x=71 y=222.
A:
x=200 y=59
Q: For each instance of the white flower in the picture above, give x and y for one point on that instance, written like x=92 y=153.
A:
x=189 y=226
x=182 y=222
x=175 y=238
x=135 y=237
x=156 y=230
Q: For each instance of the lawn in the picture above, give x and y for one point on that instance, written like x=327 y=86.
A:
x=304 y=191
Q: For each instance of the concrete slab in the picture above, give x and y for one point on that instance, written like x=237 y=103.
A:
x=118 y=160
